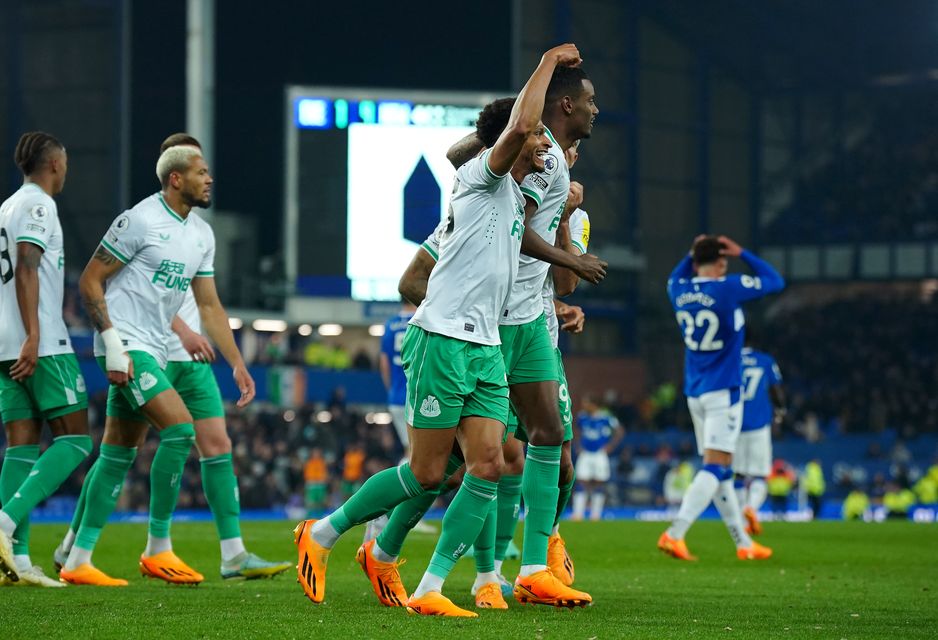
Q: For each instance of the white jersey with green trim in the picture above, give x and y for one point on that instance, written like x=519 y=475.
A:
x=478 y=256
x=580 y=237
x=162 y=252
x=549 y=189
x=188 y=313
x=30 y=215
x=432 y=244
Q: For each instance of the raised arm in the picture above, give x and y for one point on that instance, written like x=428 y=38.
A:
x=103 y=266
x=413 y=284
x=26 y=274
x=526 y=112
x=215 y=321
x=768 y=279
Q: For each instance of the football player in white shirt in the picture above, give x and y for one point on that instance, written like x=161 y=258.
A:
x=149 y=258
x=455 y=372
x=39 y=376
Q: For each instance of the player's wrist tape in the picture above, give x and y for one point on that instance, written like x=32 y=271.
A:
x=114 y=357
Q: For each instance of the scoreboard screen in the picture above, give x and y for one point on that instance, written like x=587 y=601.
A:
x=367 y=182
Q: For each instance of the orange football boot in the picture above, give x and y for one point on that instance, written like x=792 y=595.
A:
x=434 y=603
x=545 y=588
x=755 y=552
x=753 y=526
x=559 y=561
x=167 y=566
x=311 y=565
x=489 y=596
x=384 y=576
x=674 y=548
x=87 y=574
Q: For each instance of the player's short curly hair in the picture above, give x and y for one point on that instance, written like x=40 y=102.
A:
x=707 y=250
x=565 y=81
x=32 y=150
x=176 y=139
x=493 y=119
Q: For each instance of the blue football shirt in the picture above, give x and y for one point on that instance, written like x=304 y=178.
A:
x=391 y=342
x=760 y=373
x=596 y=430
x=710 y=316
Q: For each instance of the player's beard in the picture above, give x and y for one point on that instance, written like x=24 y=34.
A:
x=198 y=201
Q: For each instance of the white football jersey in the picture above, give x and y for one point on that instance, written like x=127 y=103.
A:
x=580 y=237
x=549 y=189
x=188 y=313
x=162 y=253
x=30 y=215
x=478 y=256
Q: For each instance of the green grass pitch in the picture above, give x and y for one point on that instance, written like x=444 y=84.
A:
x=827 y=580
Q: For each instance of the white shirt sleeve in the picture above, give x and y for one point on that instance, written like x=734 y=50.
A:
x=477 y=174
x=207 y=266
x=125 y=237
x=35 y=223
x=432 y=244
x=580 y=230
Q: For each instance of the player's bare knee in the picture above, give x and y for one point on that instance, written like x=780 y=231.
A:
x=429 y=474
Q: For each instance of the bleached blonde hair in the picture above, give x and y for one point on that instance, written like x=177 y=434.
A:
x=176 y=159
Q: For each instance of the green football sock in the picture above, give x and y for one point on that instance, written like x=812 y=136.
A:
x=17 y=463
x=462 y=523
x=221 y=492
x=166 y=475
x=509 y=507
x=484 y=546
x=50 y=471
x=104 y=488
x=380 y=493
x=540 y=491
x=80 y=505
x=566 y=490
x=407 y=514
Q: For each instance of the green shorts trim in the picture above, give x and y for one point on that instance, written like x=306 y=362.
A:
x=196 y=385
x=528 y=352
x=564 y=405
x=55 y=389
x=148 y=382
x=449 y=379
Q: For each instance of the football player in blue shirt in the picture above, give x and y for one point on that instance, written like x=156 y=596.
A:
x=392 y=372
x=763 y=408
x=598 y=433
x=707 y=303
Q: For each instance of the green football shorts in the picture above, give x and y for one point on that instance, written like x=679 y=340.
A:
x=528 y=352
x=148 y=382
x=564 y=405
x=196 y=385
x=449 y=379
x=55 y=389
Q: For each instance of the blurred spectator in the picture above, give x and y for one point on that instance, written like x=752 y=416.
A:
x=676 y=482
x=352 y=469
x=316 y=478
x=898 y=501
x=780 y=483
x=927 y=487
x=814 y=486
x=855 y=505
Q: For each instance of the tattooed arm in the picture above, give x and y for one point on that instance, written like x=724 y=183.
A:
x=102 y=266
x=464 y=150
x=28 y=258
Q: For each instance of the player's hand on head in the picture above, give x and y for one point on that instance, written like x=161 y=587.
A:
x=245 y=385
x=591 y=268
x=566 y=55
x=25 y=365
x=730 y=246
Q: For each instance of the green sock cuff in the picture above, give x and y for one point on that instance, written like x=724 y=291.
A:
x=219 y=459
x=22 y=453
x=482 y=488
x=80 y=442
x=116 y=453
x=548 y=454
x=409 y=480
x=181 y=431
x=509 y=483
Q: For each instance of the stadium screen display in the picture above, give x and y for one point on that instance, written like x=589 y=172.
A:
x=367 y=182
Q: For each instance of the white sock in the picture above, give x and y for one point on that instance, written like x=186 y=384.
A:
x=483 y=579
x=555 y=530
x=6 y=524
x=530 y=569
x=22 y=562
x=157 y=545
x=68 y=541
x=758 y=491
x=77 y=557
x=429 y=583
x=728 y=506
x=232 y=548
x=698 y=496
x=374 y=527
x=597 y=500
x=498 y=566
x=742 y=495
x=579 y=505
x=380 y=554
x=324 y=533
